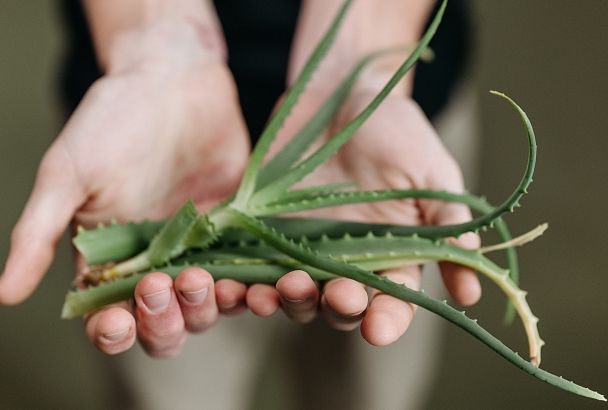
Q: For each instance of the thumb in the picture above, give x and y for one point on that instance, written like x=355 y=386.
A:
x=56 y=196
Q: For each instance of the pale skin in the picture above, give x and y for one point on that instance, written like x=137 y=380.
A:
x=164 y=125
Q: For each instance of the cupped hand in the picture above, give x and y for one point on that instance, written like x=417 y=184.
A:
x=142 y=141
x=396 y=148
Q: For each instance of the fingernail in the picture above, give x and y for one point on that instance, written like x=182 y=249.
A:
x=237 y=304
x=229 y=306
x=357 y=315
x=115 y=336
x=195 y=297
x=157 y=301
x=294 y=300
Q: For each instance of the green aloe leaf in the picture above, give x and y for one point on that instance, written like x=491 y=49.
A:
x=115 y=242
x=304 y=168
x=312 y=192
x=249 y=181
x=301 y=253
x=170 y=241
x=292 y=152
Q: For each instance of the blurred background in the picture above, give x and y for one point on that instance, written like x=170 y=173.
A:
x=550 y=56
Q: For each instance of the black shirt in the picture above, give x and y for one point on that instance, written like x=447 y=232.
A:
x=259 y=35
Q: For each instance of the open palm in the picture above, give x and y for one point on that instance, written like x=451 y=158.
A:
x=396 y=148
x=140 y=143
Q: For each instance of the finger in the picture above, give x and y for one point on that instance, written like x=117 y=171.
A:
x=196 y=294
x=343 y=303
x=160 y=324
x=55 y=198
x=263 y=300
x=446 y=176
x=230 y=296
x=387 y=318
x=299 y=296
x=462 y=283
x=112 y=330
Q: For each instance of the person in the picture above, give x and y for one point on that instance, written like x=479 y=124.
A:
x=163 y=124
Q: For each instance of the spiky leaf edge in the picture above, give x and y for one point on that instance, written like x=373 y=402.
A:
x=383 y=284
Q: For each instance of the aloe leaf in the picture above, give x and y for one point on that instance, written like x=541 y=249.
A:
x=296 y=174
x=82 y=301
x=312 y=228
x=314 y=128
x=245 y=262
x=517 y=241
x=121 y=238
x=249 y=181
x=343 y=198
x=306 y=256
x=481 y=223
x=185 y=230
x=387 y=251
x=169 y=242
x=491 y=216
x=369 y=252
x=311 y=192
x=115 y=242
x=333 y=199
x=202 y=233
x=115 y=239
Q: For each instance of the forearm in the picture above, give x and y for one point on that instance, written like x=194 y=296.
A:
x=370 y=25
x=125 y=33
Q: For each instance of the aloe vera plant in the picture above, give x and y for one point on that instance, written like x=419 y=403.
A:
x=244 y=239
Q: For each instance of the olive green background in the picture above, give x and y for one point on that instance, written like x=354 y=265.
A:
x=549 y=55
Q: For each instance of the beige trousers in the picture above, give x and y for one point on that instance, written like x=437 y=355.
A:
x=252 y=363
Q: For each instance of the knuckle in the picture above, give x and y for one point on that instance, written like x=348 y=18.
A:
x=300 y=312
x=160 y=331
x=203 y=322
x=167 y=351
x=344 y=323
x=303 y=317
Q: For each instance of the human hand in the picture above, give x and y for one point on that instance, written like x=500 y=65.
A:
x=153 y=132
x=396 y=148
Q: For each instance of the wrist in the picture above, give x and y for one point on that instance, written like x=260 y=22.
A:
x=175 y=44
x=367 y=28
x=154 y=33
